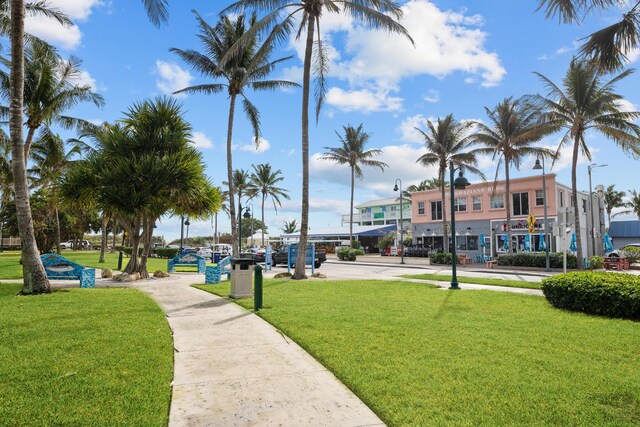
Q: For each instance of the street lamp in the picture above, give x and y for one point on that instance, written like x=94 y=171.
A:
x=250 y=207
x=181 y=231
x=547 y=242
x=460 y=184
x=593 y=225
x=187 y=223
x=240 y=216
x=396 y=188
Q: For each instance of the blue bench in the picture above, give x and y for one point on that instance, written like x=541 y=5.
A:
x=225 y=267
x=58 y=267
x=187 y=260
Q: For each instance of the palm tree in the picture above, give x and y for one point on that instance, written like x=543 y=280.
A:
x=352 y=152
x=241 y=183
x=290 y=227
x=51 y=160
x=427 y=184
x=376 y=14
x=246 y=69
x=511 y=135
x=584 y=102
x=607 y=48
x=614 y=199
x=448 y=141
x=6 y=178
x=634 y=203
x=266 y=180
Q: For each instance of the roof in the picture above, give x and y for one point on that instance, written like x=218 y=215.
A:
x=624 y=229
x=383 y=202
x=359 y=230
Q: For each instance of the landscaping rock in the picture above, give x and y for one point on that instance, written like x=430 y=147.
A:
x=107 y=273
x=124 y=277
x=160 y=274
x=319 y=275
x=282 y=275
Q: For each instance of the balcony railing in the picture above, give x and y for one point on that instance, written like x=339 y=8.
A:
x=378 y=216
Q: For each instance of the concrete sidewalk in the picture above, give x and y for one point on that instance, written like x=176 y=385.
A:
x=234 y=369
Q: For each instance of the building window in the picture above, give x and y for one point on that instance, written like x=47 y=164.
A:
x=460 y=205
x=561 y=199
x=584 y=205
x=420 y=208
x=497 y=201
x=384 y=208
x=477 y=203
x=436 y=210
x=539 y=198
x=520 y=204
x=393 y=208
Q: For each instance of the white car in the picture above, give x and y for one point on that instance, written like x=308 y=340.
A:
x=205 y=252
x=70 y=243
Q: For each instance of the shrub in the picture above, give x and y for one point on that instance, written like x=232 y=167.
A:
x=442 y=258
x=166 y=252
x=386 y=242
x=596 y=262
x=601 y=293
x=128 y=251
x=632 y=254
x=348 y=254
x=536 y=259
x=355 y=244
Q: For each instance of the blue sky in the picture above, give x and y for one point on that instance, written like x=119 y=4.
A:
x=468 y=55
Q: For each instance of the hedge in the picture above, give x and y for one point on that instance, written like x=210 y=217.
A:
x=600 y=293
x=160 y=252
x=536 y=259
x=348 y=254
x=442 y=258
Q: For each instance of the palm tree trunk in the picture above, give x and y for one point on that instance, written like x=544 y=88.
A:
x=263 y=197
x=134 y=238
x=27 y=143
x=103 y=243
x=232 y=204
x=35 y=278
x=609 y=217
x=507 y=203
x=574 y=198
x=57 y=213
x=351 y=206
x=445 y=237
x=215 y=230
x=300 y=271
x=115 y=233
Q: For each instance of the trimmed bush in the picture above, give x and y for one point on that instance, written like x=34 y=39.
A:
x=600 y=293
x=128 y=251
x=632 y=254
x=348 y=254
x=442 y=258
x=166 y=252
x=596 y=262
x=355 y=244
x=536 y=259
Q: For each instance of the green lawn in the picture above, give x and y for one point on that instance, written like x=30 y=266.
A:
x=10 y=267
x=423 y=356
x=93 y=357
x=476 y=280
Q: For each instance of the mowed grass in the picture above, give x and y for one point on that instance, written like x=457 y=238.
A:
x=475 y=280
x=100 y=357
x=423 y=356
x=10 y=267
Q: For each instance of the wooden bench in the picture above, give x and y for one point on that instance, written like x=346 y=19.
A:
x=618 y=263
x=58 y=267
x=187 y=260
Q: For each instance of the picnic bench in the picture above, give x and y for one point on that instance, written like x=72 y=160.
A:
x=58 y=267
x=616 y=262
x=213 y=273
x=187 y=260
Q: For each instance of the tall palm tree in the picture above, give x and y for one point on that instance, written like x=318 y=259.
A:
x=352 y=152
x=614 y=199
x=427 y=184
x=50 y=161
x=248 y=68
x=6 y=177
x=446 y=141
x=583 y=102
x=307 y=16
x=511 y=136
x=241 y=183
x=607 y=48
x=265 y=180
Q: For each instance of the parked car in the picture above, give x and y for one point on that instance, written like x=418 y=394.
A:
x=224 y=249
x=205 y=252
x=70 y=244
x=281 y=255
x=258 y=254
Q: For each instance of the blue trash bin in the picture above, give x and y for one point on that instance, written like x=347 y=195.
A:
x=216 y=257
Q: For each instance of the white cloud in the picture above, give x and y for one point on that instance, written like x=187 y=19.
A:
x=316 y=205
x=77 y=10
x=172 y=78
x=364 y=100
x=408 y=130
x=200 y=140
x=261 y=147
x=432 y=96
x=627 y=106
x=84 y=79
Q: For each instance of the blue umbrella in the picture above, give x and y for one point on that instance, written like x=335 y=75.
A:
x=482 y=242
x=608 y=245
x=542 y=245
x=506 y=243
x=572 y=246
x=527 y=242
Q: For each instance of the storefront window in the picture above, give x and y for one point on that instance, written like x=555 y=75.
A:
x=472 y=243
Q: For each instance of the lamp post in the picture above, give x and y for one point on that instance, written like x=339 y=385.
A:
x=187 y=223
x=181 y=231
x=240 y=216
x=547 y=241
x=460 y=184
x=593 y=225
x=250 y=207
x=396 y=188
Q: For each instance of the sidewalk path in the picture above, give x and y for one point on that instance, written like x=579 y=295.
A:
x=234 y=369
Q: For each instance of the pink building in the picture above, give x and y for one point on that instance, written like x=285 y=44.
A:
x=480 y=209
